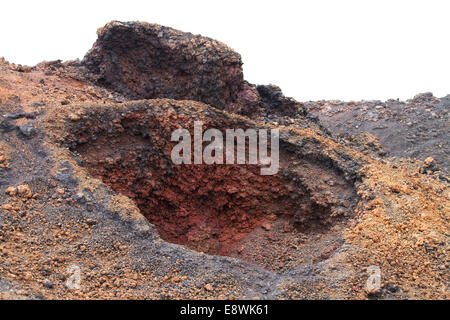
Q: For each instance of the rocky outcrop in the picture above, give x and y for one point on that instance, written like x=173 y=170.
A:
x=147 y=61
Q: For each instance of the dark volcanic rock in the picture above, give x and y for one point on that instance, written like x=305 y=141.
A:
x=143 y=60
x=147 y=61
x=274 y=101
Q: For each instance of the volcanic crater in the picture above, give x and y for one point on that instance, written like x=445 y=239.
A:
x=231 y=210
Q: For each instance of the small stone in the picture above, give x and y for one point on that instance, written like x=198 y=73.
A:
x=48 y=284
x=7 y=126
x=79 y=197
x=11 y=191
x=266 y=226
x=27 y=130
x=15 y=115
x=373 y=292
x=8 y=207
x=60 y=191
x=24 y=191
x=392 y=288
x=208 y=287
x=91 y=222
x=74 y=117
x=429 y=161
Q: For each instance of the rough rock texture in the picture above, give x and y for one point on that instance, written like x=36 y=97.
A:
x=86 y=181
x=150 y=61
x=208 y=208
x=146 y=61
x=417 y=128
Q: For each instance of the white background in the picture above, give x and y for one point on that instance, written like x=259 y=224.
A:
x=317 y=49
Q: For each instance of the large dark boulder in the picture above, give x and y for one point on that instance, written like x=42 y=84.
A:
x=144 y=61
